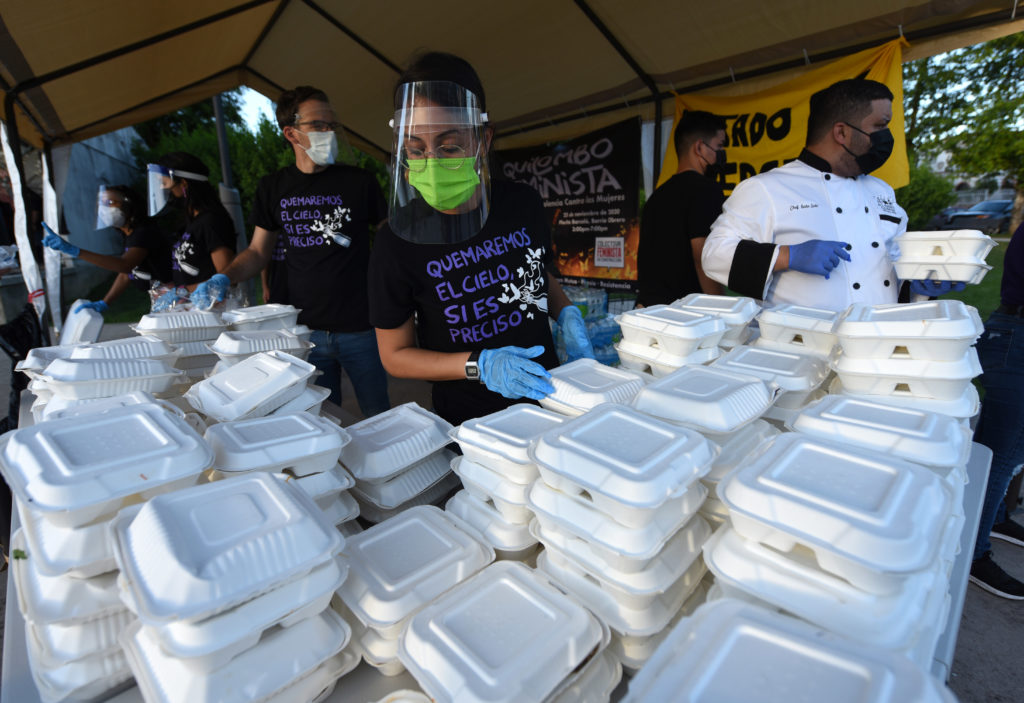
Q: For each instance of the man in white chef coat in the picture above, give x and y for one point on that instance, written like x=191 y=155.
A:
x=819 y=231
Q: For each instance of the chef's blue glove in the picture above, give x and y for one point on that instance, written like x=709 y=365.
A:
x=99 y=306
x=817 y=256
x=933 y=289
x=209 y=293
x=510 y=372
x=55 y=241
x=165 y=301
x=574 y=332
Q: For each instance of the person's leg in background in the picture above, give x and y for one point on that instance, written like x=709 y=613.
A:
x=324 y=356
x=361 y=360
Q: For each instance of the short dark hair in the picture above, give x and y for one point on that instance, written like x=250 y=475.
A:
x=134 y=205
x=696 y=125
x=441 y=66
x=289 y=101
x=846 y=101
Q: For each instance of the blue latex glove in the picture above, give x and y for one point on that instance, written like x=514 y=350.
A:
x=510 y=372
x=165 y=301
x=55 y=241
x=99 y=306
x=934 y=289
x=210 y=292
x=817 y=256
x=574 y=332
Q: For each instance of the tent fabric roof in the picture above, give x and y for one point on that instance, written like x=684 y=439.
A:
x=72 y=69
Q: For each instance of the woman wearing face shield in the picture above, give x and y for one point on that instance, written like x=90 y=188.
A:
x=460 y=291
x=146 y=257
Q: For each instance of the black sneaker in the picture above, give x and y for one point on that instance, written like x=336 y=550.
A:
x=990 y=576
x=1009 y=531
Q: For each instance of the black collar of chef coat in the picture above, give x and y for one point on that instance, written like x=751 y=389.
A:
x=815 y=161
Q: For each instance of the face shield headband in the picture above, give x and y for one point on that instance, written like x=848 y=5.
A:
x=160 y=180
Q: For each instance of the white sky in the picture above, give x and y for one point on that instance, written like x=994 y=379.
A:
x=253 y=104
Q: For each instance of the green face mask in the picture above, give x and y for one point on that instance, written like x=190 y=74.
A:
x=443 y=188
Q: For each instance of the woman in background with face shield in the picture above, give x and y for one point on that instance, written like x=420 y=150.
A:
x=460 y=291
x=146 y=257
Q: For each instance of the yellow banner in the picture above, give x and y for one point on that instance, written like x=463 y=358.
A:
x=769 y=128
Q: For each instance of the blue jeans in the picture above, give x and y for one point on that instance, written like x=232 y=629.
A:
x=356 y=353
x=1001 y=425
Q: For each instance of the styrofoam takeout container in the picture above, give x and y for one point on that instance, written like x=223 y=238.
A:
x=735 y=311
x=301 y=442
x=793 y=372
x=736 y=447
x=969 y=269
x=413 y=481
x=509 y=540
x=434 y=496
x=585 y=383
x=59 y=644
x=102 y=378
x=962 y=407
x=82 y=324
x=339 y=508
x=234 y=346
x=37 y=359
x=65 y=407
x=451 y=649
x=91 y=678
x=660 y=363
x=142 y=347
x=252 y=387
x=594 y=682
x=77 y=469
x=323 y=484
x=941 y=380
x=386 y=444
x=633 y=651
x=945 y=244
x=309 y=400
x=178 y=327
x=798 y=326
x=271 y=316
x=672 y=330
x=508 y=498
x=934 y=330
x=81 y=552
x=501 y=440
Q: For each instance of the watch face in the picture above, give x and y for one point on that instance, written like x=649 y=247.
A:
x=472 y=371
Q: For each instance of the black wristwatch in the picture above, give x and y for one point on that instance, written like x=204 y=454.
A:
x=472 y=367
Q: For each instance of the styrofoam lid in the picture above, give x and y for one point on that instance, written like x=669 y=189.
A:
x=188 y=319
x=729 y=650
x=734 y=310
x=940 y=319
x=405 y=562
x=737 y=446
x=673 y=322
x=197 y=551
x=965 y=368
x=308 y=400
x=508 y=432
x=496 y=530
x=916 y=435
x=585 y=383
x=237 y=343
x=250 y=384
x=872 y=508
x=141 y=347
x=77 y=462
x=274 y=442
x=621 y=453
x=788 y=370
x=83 y=370
x=324 y=483
x=195 y=348
x=402 y=488
x=39 y=358
x=506 y=634
x=385 y=444
x=78 y=551
x=799 y=317
x=258 y=313
x=710 y=399
x=69 y=407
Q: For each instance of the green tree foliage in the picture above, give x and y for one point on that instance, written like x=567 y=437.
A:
x=925 y=195
x=192 y=117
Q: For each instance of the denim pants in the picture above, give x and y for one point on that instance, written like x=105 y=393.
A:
x=356 y=353
x=1001 y=425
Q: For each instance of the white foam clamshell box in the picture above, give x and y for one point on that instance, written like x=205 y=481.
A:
x=735 y=447
x=871 y=518
x=508 y=498
x=143 y=347
x=945 y=244
x=509 y=540
x=61 y=644
x=798 y=326
x=102 y=378
x=793 y=372
x=432 y=496
x=64 y=407
x=77 y=469
x=735 y=311
x=283 y=656
x=735 y=651
x=941 y=380
x=252 y=387
x=178 y=327
x=594 y=682
x=641 y=358
x=962 y=407
x=633 y=651
x=969 y=269
x=501 y=440
x=39 y=358
x=198 y=552
x=402 y=564
x=706 y=399
x=672 y=330
x=195 y=355
x=384 y=445
x=301 y=442
x=235 y=346
x=452 y=649
x=272 y=316
x=937 y=330
x=81 y=552
x=626 y=462
x=309 y=400
x=413 y=481
x=920 y=436
x=81 y=324
x=583 y=384
x=323 y=484
x=89 y=679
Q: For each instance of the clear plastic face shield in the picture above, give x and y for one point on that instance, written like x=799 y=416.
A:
x=160 y=183
x=440 y=179
x=111 y=209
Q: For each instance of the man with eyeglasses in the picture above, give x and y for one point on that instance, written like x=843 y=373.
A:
x=321 y=212
x=678 y=216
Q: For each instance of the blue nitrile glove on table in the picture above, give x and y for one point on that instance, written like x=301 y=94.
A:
x=817 y=256
x=55 y=241
x=210 y=292
x=99 y=306
x=510 y=372
x=933 y=289
x=574 y=332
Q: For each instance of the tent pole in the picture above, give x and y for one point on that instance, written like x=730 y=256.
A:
x=656 y=161
x=222 y=143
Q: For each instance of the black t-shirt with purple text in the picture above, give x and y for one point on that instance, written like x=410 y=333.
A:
x=211 y=230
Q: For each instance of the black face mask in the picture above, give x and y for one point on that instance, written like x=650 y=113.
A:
x=713 y=169
x=877 y=154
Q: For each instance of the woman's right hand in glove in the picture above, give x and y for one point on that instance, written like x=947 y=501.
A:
x=510 y=372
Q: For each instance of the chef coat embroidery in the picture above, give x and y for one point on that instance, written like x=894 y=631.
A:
x=802 y=206
x=332 y=225
x=532 y=277
x=886 y=204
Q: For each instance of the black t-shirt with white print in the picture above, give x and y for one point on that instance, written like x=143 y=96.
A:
x=157 y=264
x=488 y=292
x=325 y=219
x=211 y=230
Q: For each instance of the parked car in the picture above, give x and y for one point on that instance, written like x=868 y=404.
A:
x=942 y=217
x=990 y=216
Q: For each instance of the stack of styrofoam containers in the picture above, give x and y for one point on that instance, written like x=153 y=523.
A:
x=496 y=450
x=662 y=338
x=798 y=328
x=231 y=583
x=916 y=355
x=616 y=508
x=231 y=347
x=507 y=635
x=851 y=540
x=735 y=651
x=70 y=477
x=736 y=312
x=399 y=460
x=85 y=379
x=190 y=331
x=399 y=566
x=272 y=316
x=947 y=255
x=584 y=384
x=736 y=448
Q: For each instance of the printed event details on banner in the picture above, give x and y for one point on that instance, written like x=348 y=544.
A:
x=590 y=186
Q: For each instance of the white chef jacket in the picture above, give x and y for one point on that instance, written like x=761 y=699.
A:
x=797 y=202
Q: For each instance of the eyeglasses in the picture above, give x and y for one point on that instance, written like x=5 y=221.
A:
x=449 y=156
x=320 y=125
